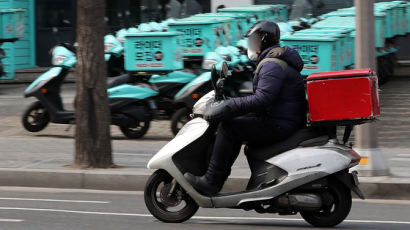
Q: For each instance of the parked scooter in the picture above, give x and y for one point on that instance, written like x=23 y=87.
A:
x=130 y=105
x=240 y=84
x=167 y=87
x=306 y=173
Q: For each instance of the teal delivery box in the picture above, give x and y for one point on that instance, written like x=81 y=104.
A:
x=11 y=23
x=153 y=52
x=344 y=47
x=256 y=12
x=279 y=12
x=199 y=36
x=238 y=27
x=227 y=26
x=318 y=53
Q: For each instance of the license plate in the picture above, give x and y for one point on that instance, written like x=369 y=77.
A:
x=149 y=65
x=193 y=51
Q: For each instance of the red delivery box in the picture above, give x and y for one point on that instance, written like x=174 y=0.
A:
x=343 y=95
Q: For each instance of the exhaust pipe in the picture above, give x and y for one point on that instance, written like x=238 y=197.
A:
x=299 y=202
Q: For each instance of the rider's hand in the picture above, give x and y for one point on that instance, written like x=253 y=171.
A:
x=219 y=110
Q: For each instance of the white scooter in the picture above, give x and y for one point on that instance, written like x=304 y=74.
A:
x=306 y=173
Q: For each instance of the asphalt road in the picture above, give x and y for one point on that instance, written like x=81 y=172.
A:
x=27 y=208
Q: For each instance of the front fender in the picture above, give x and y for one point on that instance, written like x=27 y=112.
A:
x=42 y=80
x=138 y=92
x=191 y=86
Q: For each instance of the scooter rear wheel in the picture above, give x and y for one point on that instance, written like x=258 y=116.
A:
x=136 y=132
x=167 y=200
x=334 y=214
x=35 y=118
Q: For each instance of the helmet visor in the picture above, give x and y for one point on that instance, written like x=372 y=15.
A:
x=254 y=42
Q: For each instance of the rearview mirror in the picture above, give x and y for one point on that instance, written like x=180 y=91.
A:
x=224 y=71
x=214 y=77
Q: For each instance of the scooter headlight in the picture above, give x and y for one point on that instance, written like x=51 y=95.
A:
x=58 y=60
x=207 y=63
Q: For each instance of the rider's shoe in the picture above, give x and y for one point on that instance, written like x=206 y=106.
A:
x=202 y=184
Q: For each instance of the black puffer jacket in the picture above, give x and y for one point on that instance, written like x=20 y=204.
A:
x=279 y=95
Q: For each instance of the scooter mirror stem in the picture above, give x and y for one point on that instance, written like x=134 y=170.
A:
x=224 y=71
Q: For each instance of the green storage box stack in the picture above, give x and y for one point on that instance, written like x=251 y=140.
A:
x=153 y=52
x=408 y=16
x=199 y=36
x=279 y=12
x=225 y=29
x=229 y=27
x=380 y=23
x=11 y=23
x=396 y=19
x=401 y=14
x=239 y=26
x=256 y=13
x=343 y=43
x=390 y=25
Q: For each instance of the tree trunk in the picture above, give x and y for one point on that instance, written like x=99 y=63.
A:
x=92 y=133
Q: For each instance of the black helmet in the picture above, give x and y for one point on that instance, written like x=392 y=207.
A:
x=267 y=31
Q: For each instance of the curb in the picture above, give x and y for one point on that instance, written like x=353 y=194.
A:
x=74 y=179
x=373 y=188
x=23 y=77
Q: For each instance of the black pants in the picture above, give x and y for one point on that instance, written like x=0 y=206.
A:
x=230 y=136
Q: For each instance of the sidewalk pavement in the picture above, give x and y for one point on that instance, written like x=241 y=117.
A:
x=44 y=162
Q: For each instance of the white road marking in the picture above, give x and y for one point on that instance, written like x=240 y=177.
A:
x=55 y=200
x=12 y=97
x=403 y=155
x=135 y=154
x=399 y=159
x=73 y=211
x=196 y=217
x=11 y=220
x=66 y=190
x=141 y=193
x=380 y=201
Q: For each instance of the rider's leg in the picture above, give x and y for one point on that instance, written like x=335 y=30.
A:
x=230 y=136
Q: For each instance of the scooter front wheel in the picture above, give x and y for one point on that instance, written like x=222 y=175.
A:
x=167 y=200
x=136 y=132
x=35 y=118
x=334 y=213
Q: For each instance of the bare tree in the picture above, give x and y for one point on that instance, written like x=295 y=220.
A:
x=92 y=134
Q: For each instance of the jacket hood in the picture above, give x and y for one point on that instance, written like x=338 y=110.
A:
x=287 y=54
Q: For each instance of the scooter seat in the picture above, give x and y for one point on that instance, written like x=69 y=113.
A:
x=304 y=137
x=119 y=80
